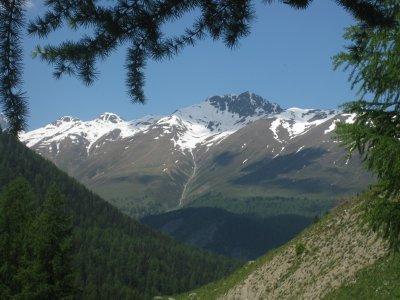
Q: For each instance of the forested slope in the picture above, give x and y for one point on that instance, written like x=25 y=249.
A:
x=217 y=230
x=115 y=257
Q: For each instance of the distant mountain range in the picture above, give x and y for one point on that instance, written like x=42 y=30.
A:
x=235 y=147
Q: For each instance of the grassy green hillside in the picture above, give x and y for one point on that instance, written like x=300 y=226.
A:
x=115 y=257
x=378 y=281
x=320 y=262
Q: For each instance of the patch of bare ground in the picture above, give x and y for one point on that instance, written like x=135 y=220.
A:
x=334 y=250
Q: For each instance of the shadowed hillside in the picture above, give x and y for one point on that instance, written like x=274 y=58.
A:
x=234 y=235
x=115 y=257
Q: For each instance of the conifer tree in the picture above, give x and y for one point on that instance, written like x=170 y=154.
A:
x=374 y=60
x=12 y=97
x=16 y=216
x=49 y=274
x=35 y=248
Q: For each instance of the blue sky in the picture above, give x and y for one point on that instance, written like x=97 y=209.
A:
x=286 y=59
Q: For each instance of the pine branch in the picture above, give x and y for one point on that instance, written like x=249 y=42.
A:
x=12 y=97
x=371 y=12
x=135 y=63
x=137 y=23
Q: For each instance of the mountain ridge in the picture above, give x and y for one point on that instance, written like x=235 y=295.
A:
x=158 y=163
x=215 y=114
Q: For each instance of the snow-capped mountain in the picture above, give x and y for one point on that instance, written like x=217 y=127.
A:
x=84 y=132
x=203 y=124
x=229 y=142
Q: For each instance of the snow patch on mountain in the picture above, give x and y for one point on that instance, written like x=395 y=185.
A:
x=205 y=124
x=91 y=131
x=349 y=119
x=107 y=118
x=332 y=127
x=214 y=119
x=297 y=121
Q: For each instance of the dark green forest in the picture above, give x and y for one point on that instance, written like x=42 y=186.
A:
x=235 y=235
x=112 y=256
x=265 y=207
x=35 y=243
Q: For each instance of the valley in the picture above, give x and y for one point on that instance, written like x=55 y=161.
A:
x=228 y=197
x=235 y=235
x=242 y=191
x=251 y=164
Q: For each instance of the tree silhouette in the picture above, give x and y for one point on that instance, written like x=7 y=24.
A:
x=374 y=60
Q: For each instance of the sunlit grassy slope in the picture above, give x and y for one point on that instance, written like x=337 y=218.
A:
x=378 y=281
x=336 y=258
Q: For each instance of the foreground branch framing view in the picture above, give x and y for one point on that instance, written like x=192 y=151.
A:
x=231 y=197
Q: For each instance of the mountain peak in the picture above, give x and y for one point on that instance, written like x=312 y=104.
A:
x=69 y=119
x=110 y=117
x=65 y=119
x=245 y=104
